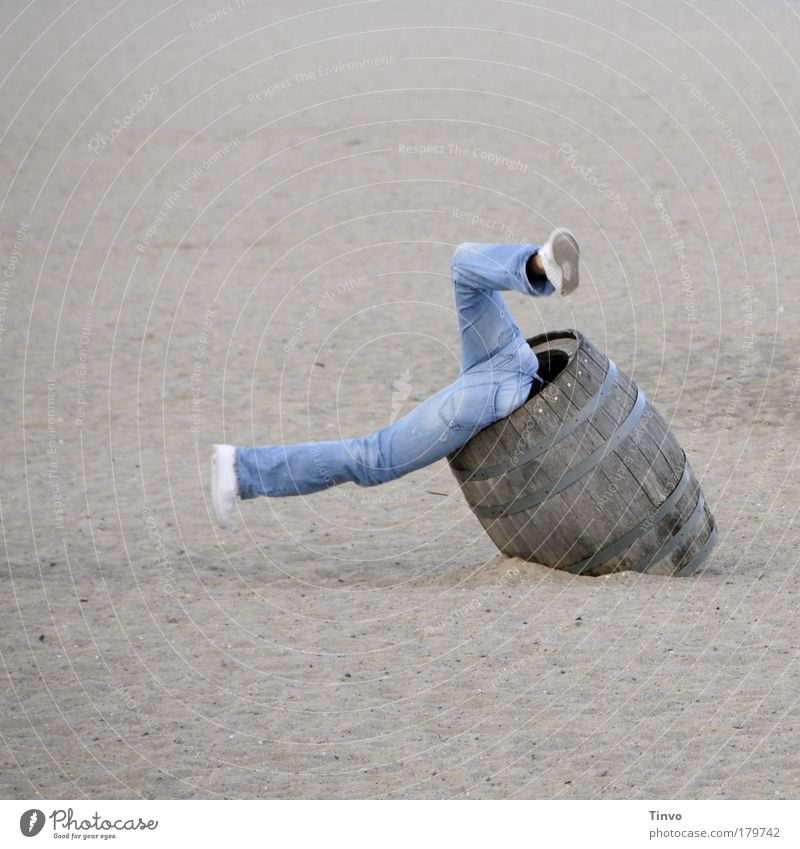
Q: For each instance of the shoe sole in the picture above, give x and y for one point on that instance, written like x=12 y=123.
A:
x=564 y=247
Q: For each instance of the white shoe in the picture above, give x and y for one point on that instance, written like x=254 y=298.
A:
x=560 y=257
x=224 y=488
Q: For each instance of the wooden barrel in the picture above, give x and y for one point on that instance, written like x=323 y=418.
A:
x=586 y=476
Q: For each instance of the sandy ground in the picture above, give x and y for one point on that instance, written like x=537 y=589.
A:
x=233 y=223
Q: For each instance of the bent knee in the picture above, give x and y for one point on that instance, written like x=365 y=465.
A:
x=461 y=256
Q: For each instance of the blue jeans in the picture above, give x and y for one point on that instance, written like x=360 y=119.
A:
x=497 y=372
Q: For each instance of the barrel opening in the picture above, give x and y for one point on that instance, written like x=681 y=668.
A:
x=551 y=363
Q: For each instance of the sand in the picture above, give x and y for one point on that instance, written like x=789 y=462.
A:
x=235 y=225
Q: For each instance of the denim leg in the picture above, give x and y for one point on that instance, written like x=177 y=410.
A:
x=480 y=272
x=431 y=431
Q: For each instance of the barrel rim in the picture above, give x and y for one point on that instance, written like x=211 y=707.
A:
x=552 y=335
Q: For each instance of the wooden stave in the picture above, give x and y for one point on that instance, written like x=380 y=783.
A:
x=569 y=543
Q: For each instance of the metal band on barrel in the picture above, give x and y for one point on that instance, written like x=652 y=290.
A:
x=496 y=511
x=673 y=542
x=647 y=524
x=697 y=560
x=545 y=444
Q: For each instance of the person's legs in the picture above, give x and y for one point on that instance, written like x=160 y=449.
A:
x=497 y=369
